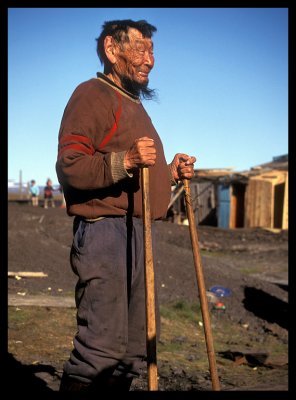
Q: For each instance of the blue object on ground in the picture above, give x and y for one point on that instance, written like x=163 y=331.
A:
x=220 y=291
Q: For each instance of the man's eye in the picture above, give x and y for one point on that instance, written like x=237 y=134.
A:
x=141 y=50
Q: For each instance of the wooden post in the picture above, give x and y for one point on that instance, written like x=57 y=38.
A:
x=21 y=185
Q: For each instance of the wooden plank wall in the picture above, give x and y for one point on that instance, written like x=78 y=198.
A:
x=260 y=200
x=203 y=199
x=285 y=223
x=259 y=204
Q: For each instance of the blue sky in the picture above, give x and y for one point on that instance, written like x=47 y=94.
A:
x=221 y=75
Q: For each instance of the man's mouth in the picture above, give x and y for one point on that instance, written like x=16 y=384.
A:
x=143 y=74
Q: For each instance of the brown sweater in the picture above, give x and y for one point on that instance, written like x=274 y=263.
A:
x=100 y=122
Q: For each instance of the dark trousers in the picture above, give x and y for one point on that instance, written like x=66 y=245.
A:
x=108 y=257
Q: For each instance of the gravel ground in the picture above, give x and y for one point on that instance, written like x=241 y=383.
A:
x=251 y=263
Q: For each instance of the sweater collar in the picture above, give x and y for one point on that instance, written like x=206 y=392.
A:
x=107 y=80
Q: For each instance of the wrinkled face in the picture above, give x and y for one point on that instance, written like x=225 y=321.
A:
x=135 y=59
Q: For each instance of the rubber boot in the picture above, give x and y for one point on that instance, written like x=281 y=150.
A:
x=69 y=384
x=102 y=383
x=119 y=383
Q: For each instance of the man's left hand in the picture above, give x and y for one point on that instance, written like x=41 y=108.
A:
x=182 y=166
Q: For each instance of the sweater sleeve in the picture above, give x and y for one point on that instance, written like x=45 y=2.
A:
x=87 y=117
x=117 y=167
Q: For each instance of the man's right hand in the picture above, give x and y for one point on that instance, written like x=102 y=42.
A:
x=142 y=153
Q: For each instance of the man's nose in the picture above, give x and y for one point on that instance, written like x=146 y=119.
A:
x=149 y=59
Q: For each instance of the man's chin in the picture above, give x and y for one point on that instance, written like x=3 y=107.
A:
x=143 y=81
x=138 y=88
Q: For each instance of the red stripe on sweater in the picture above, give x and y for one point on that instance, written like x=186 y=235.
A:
x=74 y=138
x=111 y=133
x=76 y=146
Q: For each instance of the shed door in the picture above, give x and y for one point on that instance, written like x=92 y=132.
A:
x=223 y=206
x=279 y=195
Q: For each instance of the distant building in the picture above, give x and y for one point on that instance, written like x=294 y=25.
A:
x=267 y=195
x=227 y=199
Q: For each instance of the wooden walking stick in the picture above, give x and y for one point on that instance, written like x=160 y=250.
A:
x=149 y=284
x=201 y=287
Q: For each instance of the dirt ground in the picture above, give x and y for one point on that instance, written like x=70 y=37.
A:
x=251 y=263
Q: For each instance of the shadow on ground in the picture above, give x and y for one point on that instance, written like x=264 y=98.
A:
x=21 y=378
x=266 y=307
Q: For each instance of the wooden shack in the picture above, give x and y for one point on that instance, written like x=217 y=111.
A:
x=266 y=200
x=221 y=197
x=203 y=195
x=203 y=189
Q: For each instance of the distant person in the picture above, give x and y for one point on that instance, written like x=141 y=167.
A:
x=48 y=194
x=34 y=192
x=105 y=138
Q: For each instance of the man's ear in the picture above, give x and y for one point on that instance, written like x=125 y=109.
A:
x=110 y=50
